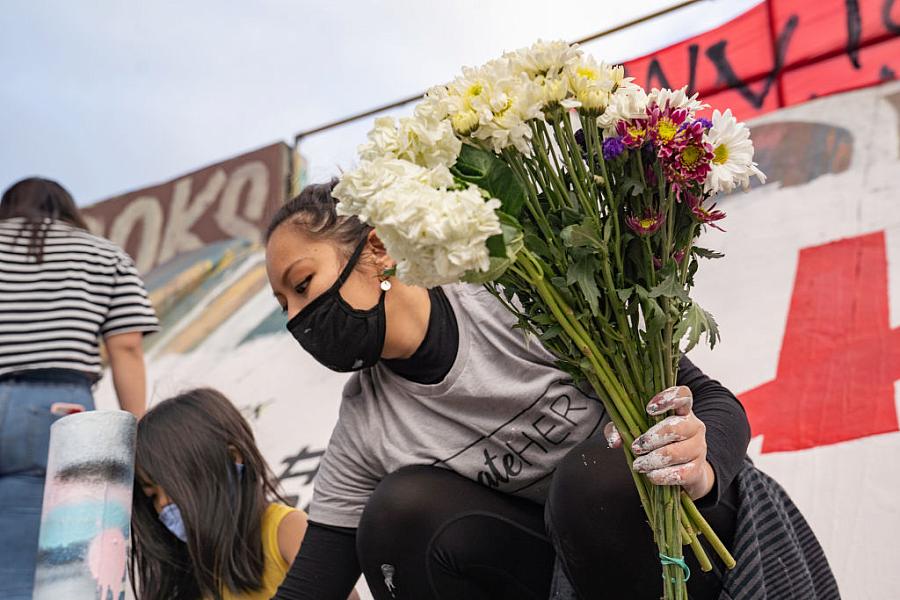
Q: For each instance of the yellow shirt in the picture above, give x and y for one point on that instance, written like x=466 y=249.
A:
x=275 y=568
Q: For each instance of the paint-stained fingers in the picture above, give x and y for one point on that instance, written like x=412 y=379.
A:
x=678 y=453
x=669 y=430
x=685 y=474
x=678 y=399
x=613 y=438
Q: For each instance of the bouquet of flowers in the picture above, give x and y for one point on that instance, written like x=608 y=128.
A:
x=576 y=197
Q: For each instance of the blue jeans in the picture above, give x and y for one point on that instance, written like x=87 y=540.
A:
x=25 y=420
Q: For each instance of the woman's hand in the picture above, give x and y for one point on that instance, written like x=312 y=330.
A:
x=672 y=452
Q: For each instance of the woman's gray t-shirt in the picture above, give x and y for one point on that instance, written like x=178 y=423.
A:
x=504 y=416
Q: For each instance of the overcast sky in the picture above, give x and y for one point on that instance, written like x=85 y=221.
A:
x=109 y=96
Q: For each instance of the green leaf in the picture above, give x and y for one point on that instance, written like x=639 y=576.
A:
x=706 y=253
x=582 y=273
x=625 y=294
x=670 y=286
x=608 y=230
x=496 y=246
x=582 y=235
x=634 y=186
x=692 y=270
x=694 y=323
x=536 y=244
x=484 y=169
x=654 y=317
x=551 y=332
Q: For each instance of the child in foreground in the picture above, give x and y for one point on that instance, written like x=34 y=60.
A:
x=208 y=520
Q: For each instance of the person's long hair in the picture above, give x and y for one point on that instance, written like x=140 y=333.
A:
x=37 y=201
x=188 y=445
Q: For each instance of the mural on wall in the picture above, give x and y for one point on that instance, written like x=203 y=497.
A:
x=807 y=297
x=781 y=53
x=231 y=199
x=86 y=516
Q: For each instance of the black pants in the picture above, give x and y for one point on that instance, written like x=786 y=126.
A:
x=430 y=534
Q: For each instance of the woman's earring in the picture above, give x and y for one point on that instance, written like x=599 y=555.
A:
x=384 y=278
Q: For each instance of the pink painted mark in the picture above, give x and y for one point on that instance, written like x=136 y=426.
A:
x=106 y=560
x=56 y=494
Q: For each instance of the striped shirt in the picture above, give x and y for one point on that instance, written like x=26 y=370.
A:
x=53 y=313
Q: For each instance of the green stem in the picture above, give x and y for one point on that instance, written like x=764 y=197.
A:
x=627 y=440
x=576 y=155
x=570 y=165
x=694 y=541
x=590 y=149
x=569 y=322
x=614 y=215
x=619 y=311
x=553 y=170
x=702 y=526
x=686 y=259
x=538 y=174
x=602 y=366
x=534 y=206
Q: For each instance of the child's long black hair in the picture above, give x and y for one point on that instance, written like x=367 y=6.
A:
x=188 y=445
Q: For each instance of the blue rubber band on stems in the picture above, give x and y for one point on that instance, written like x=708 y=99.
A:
x=668 y=560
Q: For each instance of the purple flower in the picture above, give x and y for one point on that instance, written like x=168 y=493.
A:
x=646 y=225
x=579 y=137
x=612 y=148
x=705 y=215
x=707 y=124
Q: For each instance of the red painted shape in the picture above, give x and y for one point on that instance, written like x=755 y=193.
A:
x=780 y=53
x=839 y=357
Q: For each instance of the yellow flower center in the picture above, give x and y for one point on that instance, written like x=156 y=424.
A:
x=474 y=90
x=690 y=155
x=464 y=122
x=586 y=73
x=647 y=223
x=720 y=154
x=636 y=132
x=502 y=110
x=666 y=130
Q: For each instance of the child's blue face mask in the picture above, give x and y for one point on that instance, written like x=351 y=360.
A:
x=170 y=515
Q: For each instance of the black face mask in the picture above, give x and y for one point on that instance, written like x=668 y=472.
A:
x=337 y=335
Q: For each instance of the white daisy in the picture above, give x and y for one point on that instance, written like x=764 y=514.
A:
x=732 y=162
x=666 y=98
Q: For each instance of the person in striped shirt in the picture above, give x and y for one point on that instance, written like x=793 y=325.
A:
x=62 y=290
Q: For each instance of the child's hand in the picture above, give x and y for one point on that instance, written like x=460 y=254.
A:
x=672 y=452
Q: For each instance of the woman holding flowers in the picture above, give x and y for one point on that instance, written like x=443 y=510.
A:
x=442 y=381
x=481 y=436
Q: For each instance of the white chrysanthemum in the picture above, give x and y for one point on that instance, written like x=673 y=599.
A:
x=544 y=59
x=494 y=103
x=629 y=101
x=436 y=236
x=552 y=90
x=513 y=101
x=383 y=140
x=666 y=98
x=428 y=143
x=470 y=92
x=433 y=106
x=732 y=163
x=424 y=141
x=592 y=82
x=356 y=188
